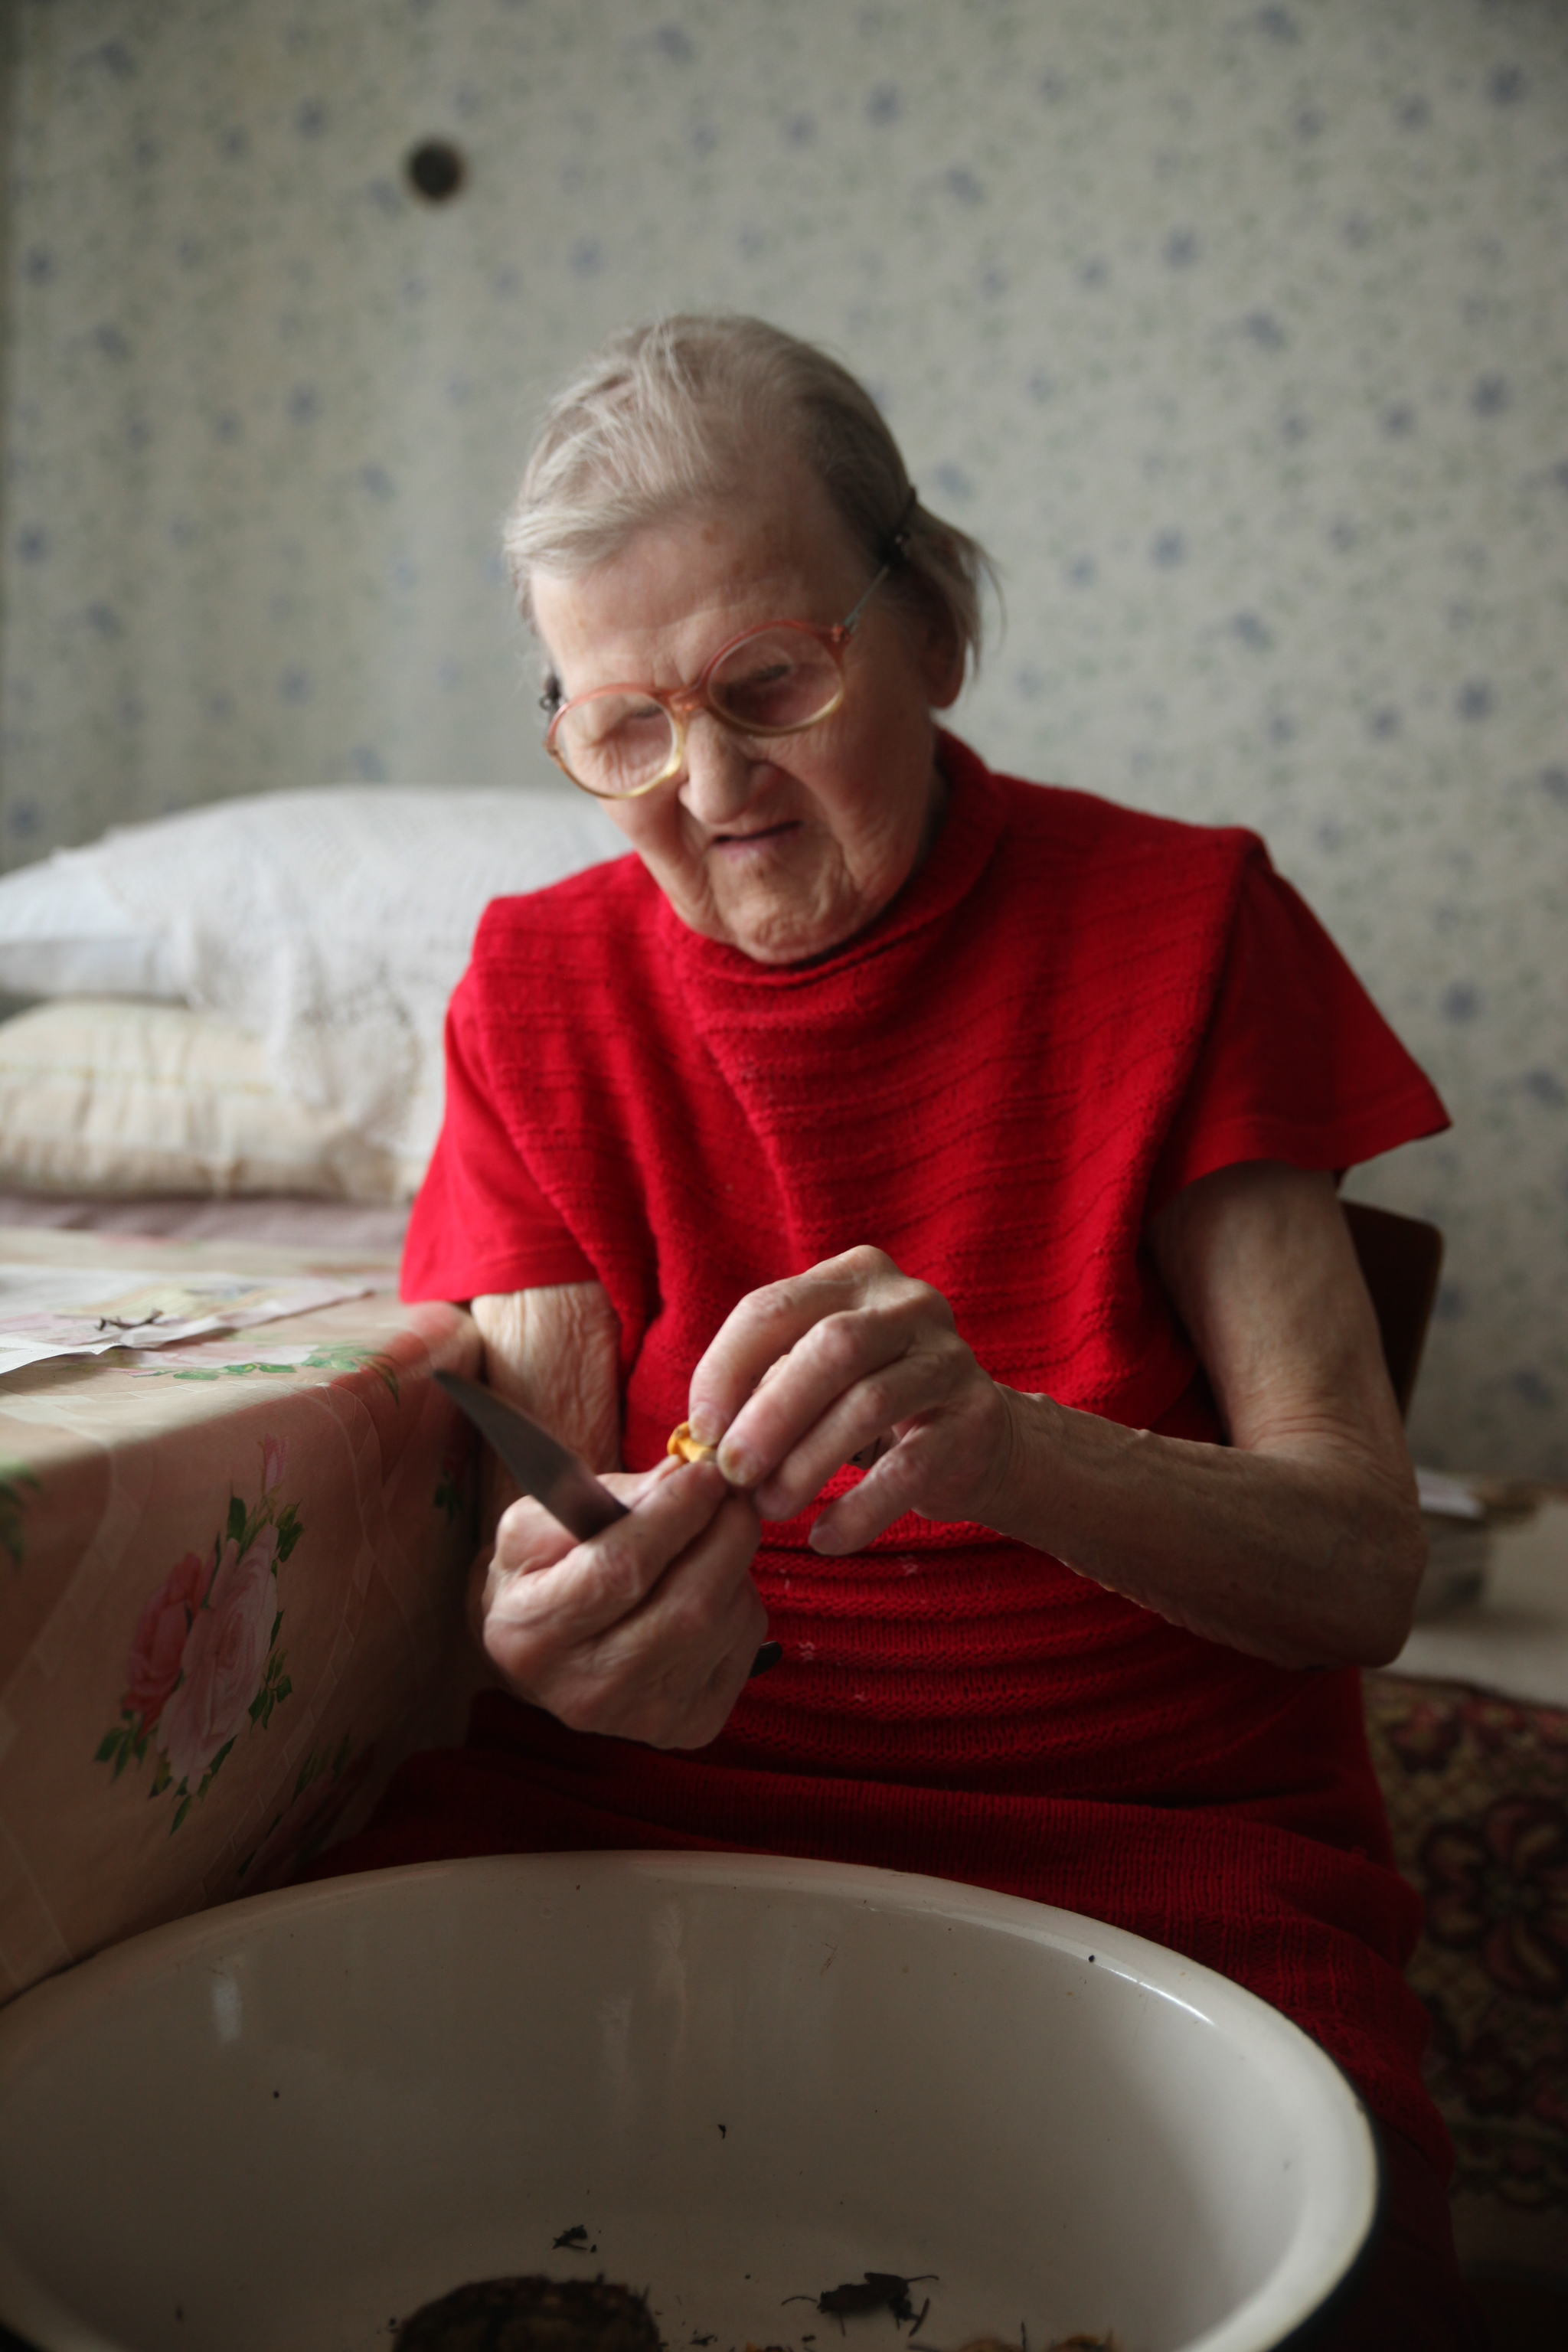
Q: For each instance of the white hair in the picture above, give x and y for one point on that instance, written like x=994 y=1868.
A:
x=672 y=414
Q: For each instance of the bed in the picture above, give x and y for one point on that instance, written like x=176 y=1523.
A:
x=246 y=1000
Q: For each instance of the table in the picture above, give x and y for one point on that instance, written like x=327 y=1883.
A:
x=227 y=1579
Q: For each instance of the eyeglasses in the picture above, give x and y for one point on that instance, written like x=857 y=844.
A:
x=621 y=740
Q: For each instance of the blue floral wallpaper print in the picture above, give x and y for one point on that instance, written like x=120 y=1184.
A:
x=1239 y=332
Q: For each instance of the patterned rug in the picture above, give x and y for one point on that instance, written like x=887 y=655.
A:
x=1477 y=1790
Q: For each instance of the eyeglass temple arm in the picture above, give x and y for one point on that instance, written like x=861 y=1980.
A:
x=898 y=542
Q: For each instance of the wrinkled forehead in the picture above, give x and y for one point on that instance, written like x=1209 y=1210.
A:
x=654 y=612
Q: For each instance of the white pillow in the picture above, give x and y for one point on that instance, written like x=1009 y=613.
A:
x=64 y=933
x=108 y=1096
x=333 y=924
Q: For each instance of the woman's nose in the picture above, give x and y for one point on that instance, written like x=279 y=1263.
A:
x=717 y=783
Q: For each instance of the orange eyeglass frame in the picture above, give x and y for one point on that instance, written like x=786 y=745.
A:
x=680 y=702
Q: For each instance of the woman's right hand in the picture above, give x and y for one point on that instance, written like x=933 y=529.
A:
x=646 y=1631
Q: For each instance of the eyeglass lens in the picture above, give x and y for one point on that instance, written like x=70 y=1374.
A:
x=774 y=682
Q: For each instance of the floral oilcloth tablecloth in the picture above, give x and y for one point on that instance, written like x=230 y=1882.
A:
x=228 y=1572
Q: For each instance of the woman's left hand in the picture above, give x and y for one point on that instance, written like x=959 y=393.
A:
x=1299 y=1539
x=854 y=1359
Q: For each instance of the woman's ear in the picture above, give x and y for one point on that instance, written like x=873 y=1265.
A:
x=940 y=660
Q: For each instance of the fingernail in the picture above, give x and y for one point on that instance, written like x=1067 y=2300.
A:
x=705 y=1424
x=740 y=1467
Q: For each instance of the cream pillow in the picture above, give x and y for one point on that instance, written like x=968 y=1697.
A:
x=106 y=1095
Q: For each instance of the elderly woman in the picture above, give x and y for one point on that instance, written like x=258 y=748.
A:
x=958 y=1156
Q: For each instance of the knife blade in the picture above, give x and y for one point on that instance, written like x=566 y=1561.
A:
x=541 y=1466
x=552 y=1472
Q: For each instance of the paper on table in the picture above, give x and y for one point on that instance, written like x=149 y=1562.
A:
x=53 y=1310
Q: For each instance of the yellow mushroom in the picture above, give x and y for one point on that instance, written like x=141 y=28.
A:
x=684 y=1446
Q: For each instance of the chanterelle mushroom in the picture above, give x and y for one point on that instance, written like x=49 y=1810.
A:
x=684 y=1446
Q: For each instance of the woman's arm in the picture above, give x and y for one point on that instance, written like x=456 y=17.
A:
x=1301 y=1542
x=556 y=1353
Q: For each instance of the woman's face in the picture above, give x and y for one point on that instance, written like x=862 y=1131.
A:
x=785 y=849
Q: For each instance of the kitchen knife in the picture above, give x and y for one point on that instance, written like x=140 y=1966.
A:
x=551 y=1472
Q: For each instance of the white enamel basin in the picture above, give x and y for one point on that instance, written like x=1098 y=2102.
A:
x=286 y=2123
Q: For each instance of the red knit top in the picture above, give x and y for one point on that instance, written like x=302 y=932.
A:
x=1071 y=1012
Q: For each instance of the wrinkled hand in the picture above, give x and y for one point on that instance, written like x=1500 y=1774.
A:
x=854 y=1359
x=648 y=1631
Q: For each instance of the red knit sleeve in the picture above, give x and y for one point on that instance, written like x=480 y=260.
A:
x=480 y=1223
x=1297 y=1063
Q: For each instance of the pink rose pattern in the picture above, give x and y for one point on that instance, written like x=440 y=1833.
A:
x=225 y=1656
x=205 y=1658
x=158 y=1641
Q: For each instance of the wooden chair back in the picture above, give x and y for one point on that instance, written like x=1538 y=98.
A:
x=1401 y=1258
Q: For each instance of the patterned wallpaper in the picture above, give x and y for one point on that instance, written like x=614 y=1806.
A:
x=1239 y=332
